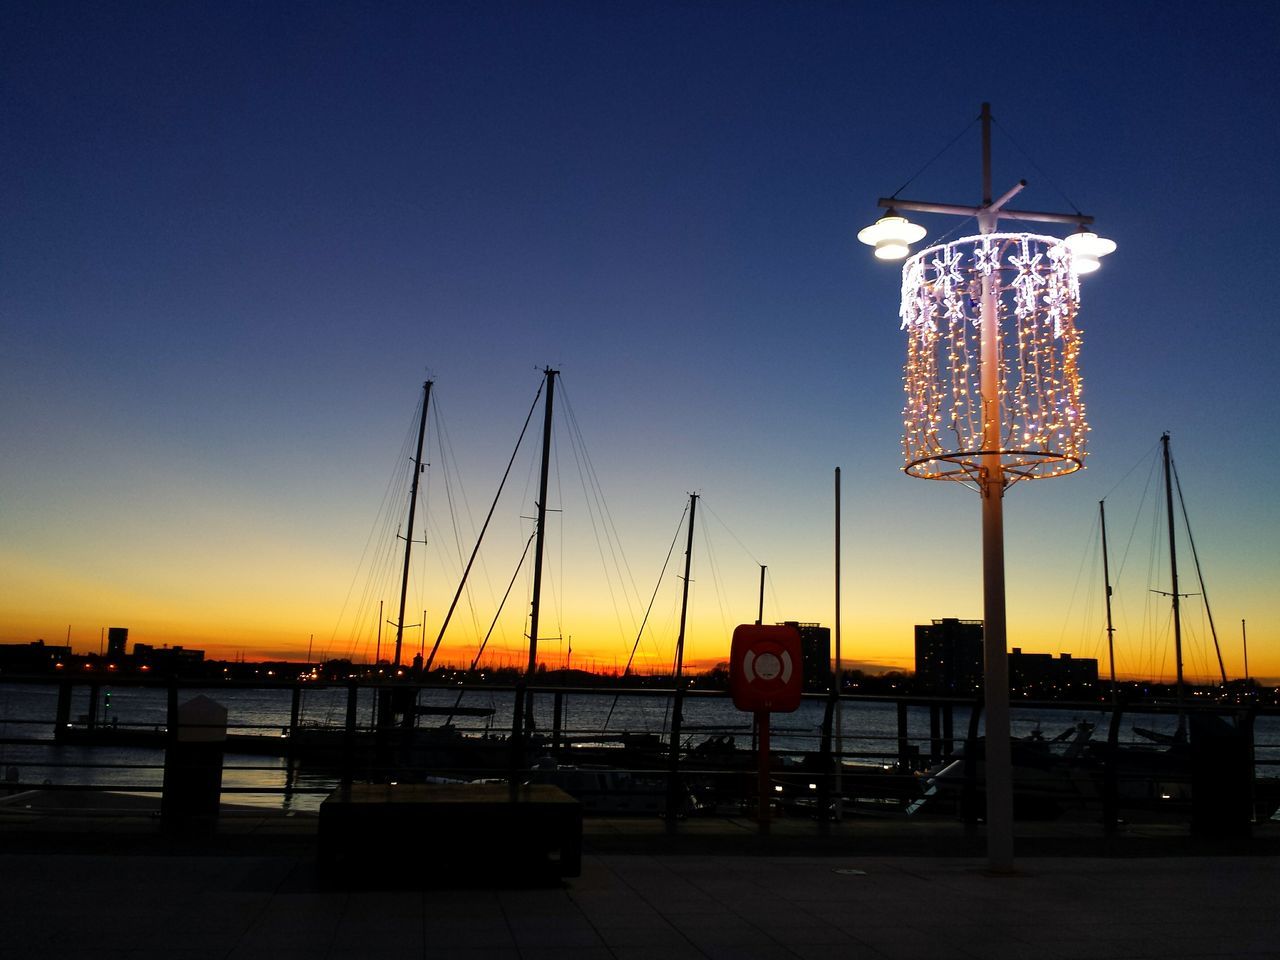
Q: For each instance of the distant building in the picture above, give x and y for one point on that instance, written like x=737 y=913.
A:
x=165 y=659
x=949 y=662
x=117 y=640
x=34 y=657
x=815 y=651
x=1040 y=675
x=949 y=657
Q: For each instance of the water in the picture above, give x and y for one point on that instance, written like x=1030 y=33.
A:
x=27 y=713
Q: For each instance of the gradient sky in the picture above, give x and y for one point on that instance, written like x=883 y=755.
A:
x=237 y=237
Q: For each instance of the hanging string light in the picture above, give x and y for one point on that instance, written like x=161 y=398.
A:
x=1034 y=283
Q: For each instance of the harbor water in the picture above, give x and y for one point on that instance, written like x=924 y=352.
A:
x=29 y=754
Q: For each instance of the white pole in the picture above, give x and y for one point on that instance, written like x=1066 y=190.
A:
x=839 y=805
x=995 y=673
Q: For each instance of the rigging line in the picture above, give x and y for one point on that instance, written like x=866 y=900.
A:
x=579 y=454
x=449 y=481
x=717 y=579
x=616 y=563
x=671 y=627
x=381 y=515
x=480 y=539
x=931 y=162
x=557 y=596
x=753 y=557
x=595 y=530
x=1095 y=621
x=444 y=441
x=1075 y=588
x=1151 y=473
x=640 y=633
x=1143 y=458
x=939 y=239
x=453 y=514
x=1040 y=170
x=380 y=573
x=598 y=504
x=475 y=662
x=611 y=528
x=1151 y=623
x=773 y=593
x=1204 y=593
x=454 y=477
x=424 y=496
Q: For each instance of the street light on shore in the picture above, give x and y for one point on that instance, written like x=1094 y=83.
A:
x=892 y=236
x=993 y=393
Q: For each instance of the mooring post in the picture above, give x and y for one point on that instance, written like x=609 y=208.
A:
x=62 y=718
x=93 y=705
x=349 y=732
x=557 y=722
x=969 y=796
x=295 y=712
x=935 y=733
x=1111 y=775
x=904 y=738
x=948 y=729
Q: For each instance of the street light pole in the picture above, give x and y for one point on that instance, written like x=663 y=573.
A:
x=995 y=671
x=1020 y=417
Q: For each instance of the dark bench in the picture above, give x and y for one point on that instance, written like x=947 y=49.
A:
x=439 y=834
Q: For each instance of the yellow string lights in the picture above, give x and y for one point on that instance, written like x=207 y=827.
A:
x=1032 y=288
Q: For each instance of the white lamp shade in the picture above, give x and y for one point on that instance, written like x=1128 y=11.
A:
x=892 y=236
x=1087 y=249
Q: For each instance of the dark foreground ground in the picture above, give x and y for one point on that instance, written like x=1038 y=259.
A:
x=103 y=882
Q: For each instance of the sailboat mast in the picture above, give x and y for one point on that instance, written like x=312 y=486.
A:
x=539 y=542
x=1173 y=569
x=684 y=601
x=760 y=614
x=413 y=503
x=676 y=716
x=523 y=712
x=1106 y=580
x=1244 y=639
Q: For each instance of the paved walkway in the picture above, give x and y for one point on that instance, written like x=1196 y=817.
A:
x=96 y=877
x=630 y=906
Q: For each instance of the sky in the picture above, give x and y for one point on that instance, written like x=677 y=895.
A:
x=238 y=237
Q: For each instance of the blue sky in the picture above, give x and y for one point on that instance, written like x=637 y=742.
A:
x=237 y=237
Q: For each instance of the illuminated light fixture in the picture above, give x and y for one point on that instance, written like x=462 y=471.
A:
x=1086 y=249
x=994 y=395
x=892 y=236
x=1030 y=304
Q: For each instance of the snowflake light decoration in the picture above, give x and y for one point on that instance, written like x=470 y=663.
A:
x=1034 y=291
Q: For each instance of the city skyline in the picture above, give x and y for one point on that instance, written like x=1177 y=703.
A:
x=238 y=240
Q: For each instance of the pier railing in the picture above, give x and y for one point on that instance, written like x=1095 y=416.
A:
x=289 y=743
